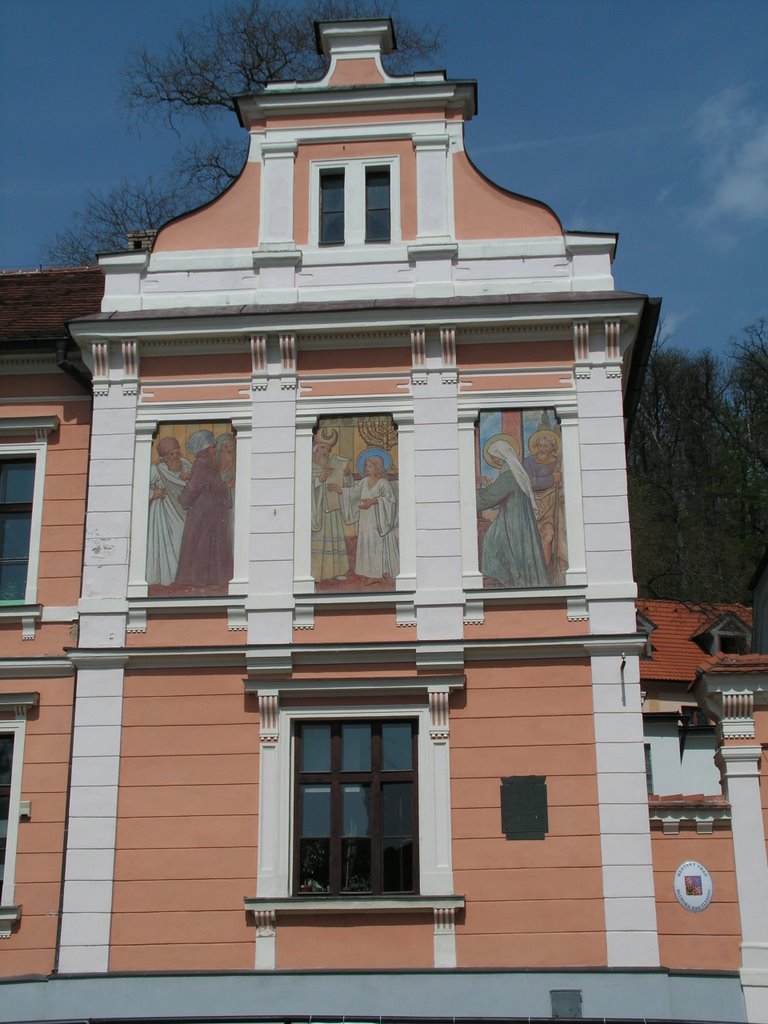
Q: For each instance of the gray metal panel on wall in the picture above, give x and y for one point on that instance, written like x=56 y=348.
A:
x=503 y=994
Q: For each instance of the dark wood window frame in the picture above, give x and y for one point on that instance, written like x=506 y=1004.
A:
x=375 y=207
x=376 y=778
x=330 y=208
x=20 y=510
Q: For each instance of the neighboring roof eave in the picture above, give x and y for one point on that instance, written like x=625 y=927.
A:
x=641 y=353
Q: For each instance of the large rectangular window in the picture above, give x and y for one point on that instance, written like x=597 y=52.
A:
x=377 y=205
x=356 y=808
x=17 y=482
x=332 y=207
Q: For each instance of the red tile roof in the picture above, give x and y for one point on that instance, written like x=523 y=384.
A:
x=38 y=303
x=675 y=653
x=730 y=663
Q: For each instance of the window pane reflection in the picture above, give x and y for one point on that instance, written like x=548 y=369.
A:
x=397 y=746
x=316 y=748
x=356 y=748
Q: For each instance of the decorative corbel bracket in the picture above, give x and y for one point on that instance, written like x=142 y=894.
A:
x=287 y=362
x=259 y=378
x=613 y=348
x=582 y=368
x=419 y=355
x=131 y=356
x=449 y=371
x=100 y=354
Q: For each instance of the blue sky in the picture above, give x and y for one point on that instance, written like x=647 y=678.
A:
x=648 y=119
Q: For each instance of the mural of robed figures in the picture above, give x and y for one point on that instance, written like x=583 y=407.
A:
x=354 y=504
x=191 y=510
x=520 y=502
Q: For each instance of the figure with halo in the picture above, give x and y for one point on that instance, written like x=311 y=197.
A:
x=544 y=468
x=371 y=503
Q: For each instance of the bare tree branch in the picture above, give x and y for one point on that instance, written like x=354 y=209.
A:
x=236 y=48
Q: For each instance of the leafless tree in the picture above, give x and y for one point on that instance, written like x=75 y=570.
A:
x=188 y=88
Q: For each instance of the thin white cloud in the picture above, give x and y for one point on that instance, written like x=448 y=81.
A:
x=670 y=322
x=733 y=135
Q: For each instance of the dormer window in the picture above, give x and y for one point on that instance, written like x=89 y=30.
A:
x=377 y=204
x=332 y=207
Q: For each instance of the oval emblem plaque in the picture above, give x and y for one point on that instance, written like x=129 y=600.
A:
x=693 y=886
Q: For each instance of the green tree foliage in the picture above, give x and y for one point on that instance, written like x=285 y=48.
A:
x=187 y=88
x=698 y=471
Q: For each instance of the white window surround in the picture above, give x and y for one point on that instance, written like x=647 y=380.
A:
x=354 y=200
x=145 y=432
x=306 y=423
x=576 y=573
x=17 y=704
x=275 y=846
x=40 y=427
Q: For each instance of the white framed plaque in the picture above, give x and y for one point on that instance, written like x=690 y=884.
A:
x=693 y=886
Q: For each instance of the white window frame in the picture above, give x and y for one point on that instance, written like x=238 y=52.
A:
x=575 y=574
x=276 y=799
x=146 y=427
x=19 y=704
x=354 y=200
x=41 y=427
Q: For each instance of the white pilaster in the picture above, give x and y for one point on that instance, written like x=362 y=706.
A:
x=628 y=891
x=276 y=220
x=741 y=774
x=272 y=507
x=432 y=188
x=406 y=500
x=439 y=595
x=576 y=573
x=137 y=574
x=92 y=824
x=243 y=429
x=302 y=552
x=471 y=576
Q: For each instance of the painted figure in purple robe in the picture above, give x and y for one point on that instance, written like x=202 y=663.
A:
x=205 y=558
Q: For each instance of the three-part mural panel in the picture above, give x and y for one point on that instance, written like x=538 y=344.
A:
x=354 y=504
x=520 y=502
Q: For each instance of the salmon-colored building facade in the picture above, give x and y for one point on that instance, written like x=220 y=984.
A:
x=349 y=717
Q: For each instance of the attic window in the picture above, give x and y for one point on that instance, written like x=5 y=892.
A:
x=377 y=204
x=332 y=208
x=731 y=643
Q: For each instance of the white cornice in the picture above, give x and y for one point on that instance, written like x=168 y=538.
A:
x=15 y=425
x=34 y=668
x=343 y=685
x=19 y=703
x=291 y=98
x=260 y=658
x=241 y=322
x=351 y=904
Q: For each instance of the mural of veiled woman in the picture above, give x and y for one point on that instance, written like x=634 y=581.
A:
x=511 y=552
